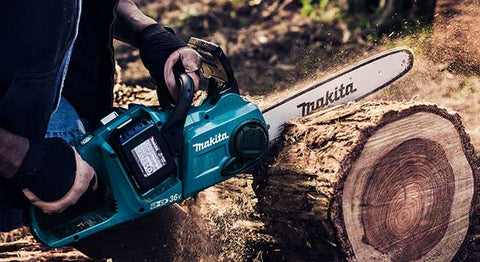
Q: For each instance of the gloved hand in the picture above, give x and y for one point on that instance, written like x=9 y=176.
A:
x=53 y=176
x=160 y=52
x=191 y=62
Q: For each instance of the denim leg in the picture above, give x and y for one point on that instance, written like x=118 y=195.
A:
x=66 y=124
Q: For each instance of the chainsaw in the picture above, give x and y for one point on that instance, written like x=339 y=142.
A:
x=147 y=158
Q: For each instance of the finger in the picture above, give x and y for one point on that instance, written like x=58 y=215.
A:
x=30 y=195
x=51 y=207
x=191 y=60
x=95 y=185
x=169 y=76
x=47 y=208
x=84 y=168
x=78 y=158
x=60 y=205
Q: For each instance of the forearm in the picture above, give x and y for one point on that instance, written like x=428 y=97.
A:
x=130 y=21
x=13 y=149
x=156 y=45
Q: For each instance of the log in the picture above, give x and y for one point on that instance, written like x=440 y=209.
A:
x=379 y=181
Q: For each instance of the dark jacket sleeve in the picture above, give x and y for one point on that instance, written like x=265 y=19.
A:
x=13 y=149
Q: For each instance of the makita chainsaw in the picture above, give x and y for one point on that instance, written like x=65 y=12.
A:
x=149 y=158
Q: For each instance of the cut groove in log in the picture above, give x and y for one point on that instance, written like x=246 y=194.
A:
x=380 y=181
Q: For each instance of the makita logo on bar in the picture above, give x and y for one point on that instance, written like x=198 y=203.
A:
x=329 y=98
x=210 y=142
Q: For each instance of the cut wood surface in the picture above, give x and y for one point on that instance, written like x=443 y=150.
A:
x=372 y=182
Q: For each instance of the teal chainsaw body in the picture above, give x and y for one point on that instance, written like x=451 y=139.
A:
x=148 y=158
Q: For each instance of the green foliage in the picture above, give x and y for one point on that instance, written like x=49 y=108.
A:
x=323 y=10
x=323 y=4
x=193 y=12
x=307 y=8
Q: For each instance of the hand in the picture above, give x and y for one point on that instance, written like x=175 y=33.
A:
x=160 y=51
x=83 y=175
x=191 y=62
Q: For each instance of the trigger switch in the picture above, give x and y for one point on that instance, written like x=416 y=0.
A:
x=250 y=140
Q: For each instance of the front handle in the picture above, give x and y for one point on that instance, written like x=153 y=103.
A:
x=216 y=68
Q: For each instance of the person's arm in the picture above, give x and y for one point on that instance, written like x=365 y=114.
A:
x=160 y=50
x=130 y=22
x=50 y=173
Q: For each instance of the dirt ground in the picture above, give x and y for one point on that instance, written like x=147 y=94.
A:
x=274 y=50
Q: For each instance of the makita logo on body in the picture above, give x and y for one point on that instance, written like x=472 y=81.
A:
x=210 y=142
x=329 y=98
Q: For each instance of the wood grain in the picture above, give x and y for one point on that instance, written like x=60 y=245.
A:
x=375 y=181
x=428 y=162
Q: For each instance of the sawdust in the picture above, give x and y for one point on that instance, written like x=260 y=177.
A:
x=456 y=35
x=228 y=210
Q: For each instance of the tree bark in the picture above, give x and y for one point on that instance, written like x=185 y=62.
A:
x=371 y=182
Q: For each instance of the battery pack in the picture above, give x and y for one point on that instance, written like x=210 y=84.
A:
x=144 y=153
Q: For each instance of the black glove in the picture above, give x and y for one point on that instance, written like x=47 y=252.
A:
x=48 y=169
x=155 y=45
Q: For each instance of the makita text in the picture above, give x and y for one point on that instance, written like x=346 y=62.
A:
x=210 y=142
x=329 y=98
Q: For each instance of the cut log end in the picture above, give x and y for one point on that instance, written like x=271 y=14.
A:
x=416 y=186
x=381 y=181
x=408 y=195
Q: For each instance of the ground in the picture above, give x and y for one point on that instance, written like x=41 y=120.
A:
x=275 y=50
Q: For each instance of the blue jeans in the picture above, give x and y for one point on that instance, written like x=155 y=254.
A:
x=66 y=124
